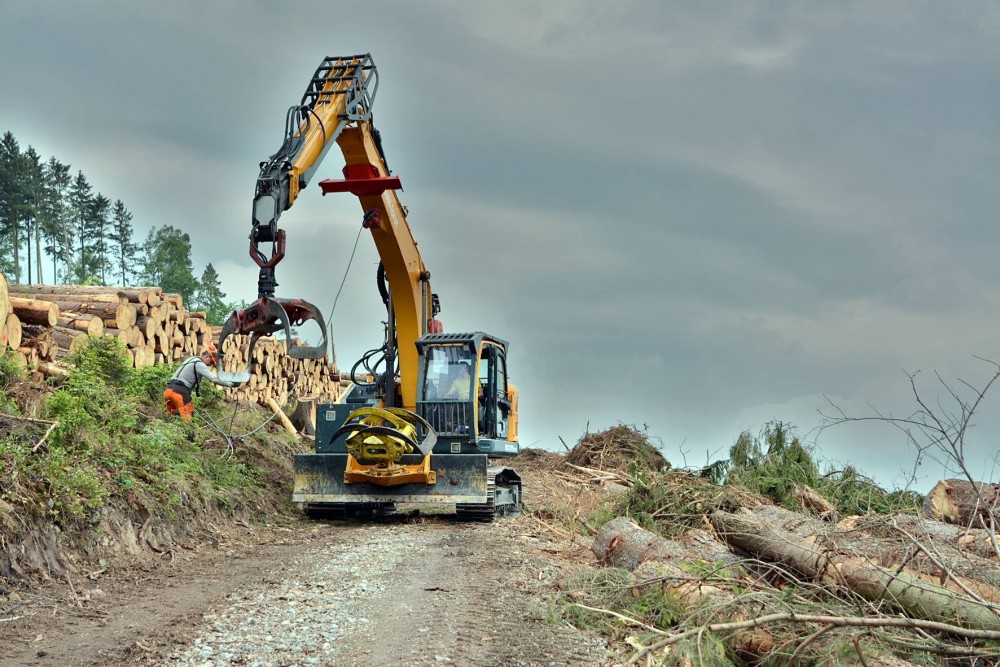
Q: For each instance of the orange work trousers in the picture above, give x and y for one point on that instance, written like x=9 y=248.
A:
x=176 y=405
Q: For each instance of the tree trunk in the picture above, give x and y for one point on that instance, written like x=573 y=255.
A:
x=116 y=315
x=51 y=370
x=31 y=311
x=938 y=563
x=90 y=324
x=38 y=250
x=910 y=594
x=5 y=307
x=305 y=416
x=68 y=339
x=963 y=503
x=90 y=297
x=711 y=598
x=281 y=416
x=978 y=541
x=12 y=331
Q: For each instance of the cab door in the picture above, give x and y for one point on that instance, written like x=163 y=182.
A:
x=493 y=405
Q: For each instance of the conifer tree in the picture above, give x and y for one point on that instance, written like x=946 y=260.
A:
x=12 y=204
x=56 y=225
x=97 y=228
x=79 y=202
x=209 y=296
x=122 y=243
x=34 y=199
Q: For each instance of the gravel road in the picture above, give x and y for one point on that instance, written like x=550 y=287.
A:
x=401 y=592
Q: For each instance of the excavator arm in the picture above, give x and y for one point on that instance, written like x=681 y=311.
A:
x=341 y=91
x=413 y=304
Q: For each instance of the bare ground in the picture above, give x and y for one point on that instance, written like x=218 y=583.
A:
x=464 y=594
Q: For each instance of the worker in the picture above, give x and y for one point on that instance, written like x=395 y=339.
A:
x=187 y=378
x=459 y=389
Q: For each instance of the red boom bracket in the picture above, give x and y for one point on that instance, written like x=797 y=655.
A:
x=361 y=180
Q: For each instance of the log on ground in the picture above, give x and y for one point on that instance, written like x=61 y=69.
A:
x=964 y=503
x=912 y=595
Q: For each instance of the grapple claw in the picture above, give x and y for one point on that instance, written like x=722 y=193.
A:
x=266 y=316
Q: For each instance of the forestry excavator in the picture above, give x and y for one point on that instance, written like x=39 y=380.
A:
x=432 y=413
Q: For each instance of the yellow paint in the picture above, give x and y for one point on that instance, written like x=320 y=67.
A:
x=398 y=251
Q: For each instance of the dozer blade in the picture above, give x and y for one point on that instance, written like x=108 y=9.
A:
x=461 y=478
x=266 y=316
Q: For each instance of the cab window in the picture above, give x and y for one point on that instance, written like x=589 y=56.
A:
x=447 y=373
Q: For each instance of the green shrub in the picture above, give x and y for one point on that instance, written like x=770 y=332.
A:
x=772 y=464
x=776 y=462
x=113 y=441
x=10 y=373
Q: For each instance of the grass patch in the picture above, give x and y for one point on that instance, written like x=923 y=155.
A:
x=113 y=443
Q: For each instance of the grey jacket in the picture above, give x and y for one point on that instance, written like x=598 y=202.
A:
x=192 y=370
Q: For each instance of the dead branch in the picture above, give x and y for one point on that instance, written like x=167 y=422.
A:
x=836 y=621
x=627 y=619
x=46 y=436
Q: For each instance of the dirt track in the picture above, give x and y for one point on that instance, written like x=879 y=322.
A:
x=409 y=591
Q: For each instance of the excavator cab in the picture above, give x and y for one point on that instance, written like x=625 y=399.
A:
x=464 y=393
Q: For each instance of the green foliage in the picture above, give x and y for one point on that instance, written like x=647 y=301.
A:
x=773 y=463
x=10 y=373
x=671 y=502
x=148 y=383
x=209 y=297
x=44 y=207
x=854 y=493
x=776 y=462
x=168 y=261
x=610 y=588
x=122 y=245
x=111 y=443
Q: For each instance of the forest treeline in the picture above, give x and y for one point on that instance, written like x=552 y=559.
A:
x=56 y=228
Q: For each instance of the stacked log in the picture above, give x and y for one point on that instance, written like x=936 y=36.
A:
x=277 y=377
x=45 y=323
x=6 y=311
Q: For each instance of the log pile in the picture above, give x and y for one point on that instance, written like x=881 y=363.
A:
x=274 y=376
x=912 y=581
x=43 y=324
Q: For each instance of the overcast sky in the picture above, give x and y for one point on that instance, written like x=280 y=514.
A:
x=690 y=217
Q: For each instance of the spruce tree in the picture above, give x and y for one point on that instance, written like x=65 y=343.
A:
x=79 y=202
x=56 y=224
x=34 y=190
x=122 y=242
x=97 y=229
x=12 y=204
x=209 y=296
